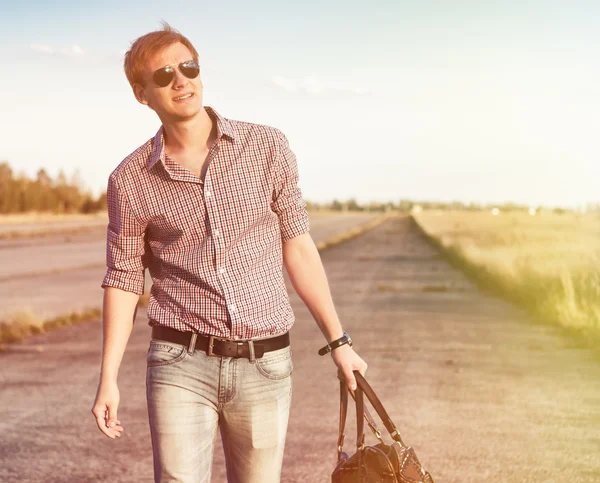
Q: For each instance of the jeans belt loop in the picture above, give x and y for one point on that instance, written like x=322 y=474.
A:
x=251 y=351
x=192 y=345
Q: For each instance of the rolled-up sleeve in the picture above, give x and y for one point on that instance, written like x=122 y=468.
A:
x=287 y=201
x=125 y=244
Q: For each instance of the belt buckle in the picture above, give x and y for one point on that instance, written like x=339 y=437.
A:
x=211 y=345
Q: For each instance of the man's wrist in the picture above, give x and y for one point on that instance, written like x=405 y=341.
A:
x=334 y=336
x=108 y=377
x=345 y=339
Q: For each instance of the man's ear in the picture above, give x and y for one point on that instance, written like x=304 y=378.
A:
x=140 y=93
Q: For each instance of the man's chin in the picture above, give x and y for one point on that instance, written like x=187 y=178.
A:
x=179 y=115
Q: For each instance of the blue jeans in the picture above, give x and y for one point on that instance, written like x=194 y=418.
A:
x=190 y=394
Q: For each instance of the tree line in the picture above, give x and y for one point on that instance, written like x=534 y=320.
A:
x=20 y=194
x=405 y=205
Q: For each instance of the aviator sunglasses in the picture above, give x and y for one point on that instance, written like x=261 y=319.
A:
x=163 y=77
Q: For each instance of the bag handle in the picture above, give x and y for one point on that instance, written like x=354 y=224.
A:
x=370 y=422
x=343 y=413
x=363 y=385
x=360 y=422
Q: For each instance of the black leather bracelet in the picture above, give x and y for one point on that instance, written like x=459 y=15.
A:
x=345 y=339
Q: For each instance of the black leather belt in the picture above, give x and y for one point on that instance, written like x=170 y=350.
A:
x=219 y=346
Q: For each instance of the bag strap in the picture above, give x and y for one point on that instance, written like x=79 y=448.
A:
x=343 y=411
x=363 y=385
x=371 y=422
x=360 y=422
x=343 y=414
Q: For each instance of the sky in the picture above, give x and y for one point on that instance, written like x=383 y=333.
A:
x=472 y=101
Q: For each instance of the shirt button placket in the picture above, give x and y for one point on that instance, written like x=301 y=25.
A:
x=215 y=233
x=216 y=238
x=208 y=196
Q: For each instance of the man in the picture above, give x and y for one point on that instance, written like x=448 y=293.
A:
x=212 y=208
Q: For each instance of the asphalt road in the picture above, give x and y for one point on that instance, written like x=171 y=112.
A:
x=481 y=393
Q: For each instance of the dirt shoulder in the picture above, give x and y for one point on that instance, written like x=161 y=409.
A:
x=479 y=391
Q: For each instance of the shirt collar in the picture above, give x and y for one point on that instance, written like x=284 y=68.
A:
x=224 y=128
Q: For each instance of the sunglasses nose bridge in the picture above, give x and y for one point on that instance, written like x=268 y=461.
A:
x=179 y=78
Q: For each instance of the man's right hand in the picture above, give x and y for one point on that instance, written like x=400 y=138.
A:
x=105 y=410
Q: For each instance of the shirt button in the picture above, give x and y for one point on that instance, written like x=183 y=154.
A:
x=221 y=270
x=216 y=232
x=233 y=307
x=208 y=194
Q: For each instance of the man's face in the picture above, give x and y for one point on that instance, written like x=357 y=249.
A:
x=182 y=98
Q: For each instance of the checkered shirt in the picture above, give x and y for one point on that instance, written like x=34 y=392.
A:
x=213 y=248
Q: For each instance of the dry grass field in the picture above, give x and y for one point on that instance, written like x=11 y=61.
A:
x=546 y=262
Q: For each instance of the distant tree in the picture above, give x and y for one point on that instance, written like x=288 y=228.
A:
x=19 y=193
x=43 y=183
x=60 y=190
x=88 y=205
x=101 y=204
x=6 y=187
x=352 y=205
x=456 y=205
x=26 y=194
x=336 y=205
x=91 y=205
x=405 y=205
x=69 y=194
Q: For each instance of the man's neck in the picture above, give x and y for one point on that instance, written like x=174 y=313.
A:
x=192 y=134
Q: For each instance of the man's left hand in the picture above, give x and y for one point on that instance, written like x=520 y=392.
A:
x=348 y=361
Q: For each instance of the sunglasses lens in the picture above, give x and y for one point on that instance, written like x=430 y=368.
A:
x=163 y=77
x=190 y=69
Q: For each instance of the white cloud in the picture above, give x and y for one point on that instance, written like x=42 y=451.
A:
x=75 y=50
x=311 y=85
x=72 y=51
x=287 y=84
x=45 y=49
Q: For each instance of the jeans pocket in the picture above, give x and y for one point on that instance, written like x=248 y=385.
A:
x=276 y=364
x=162 y=353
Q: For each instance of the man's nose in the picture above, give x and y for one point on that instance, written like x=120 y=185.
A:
x=179 y=80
